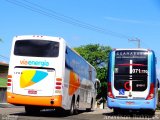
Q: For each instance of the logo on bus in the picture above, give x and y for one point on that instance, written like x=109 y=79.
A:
x=34 y=63
x=31 y=77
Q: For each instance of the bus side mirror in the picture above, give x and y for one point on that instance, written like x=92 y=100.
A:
x=158 y=84
x=97 y=84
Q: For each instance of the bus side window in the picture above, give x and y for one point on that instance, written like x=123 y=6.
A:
x=66 y=51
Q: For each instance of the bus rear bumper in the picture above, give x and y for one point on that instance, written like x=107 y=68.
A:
x=131 y=104
x=48 y=101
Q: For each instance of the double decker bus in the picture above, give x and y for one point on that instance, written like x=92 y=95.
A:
x=132 y=82
x=45 y=73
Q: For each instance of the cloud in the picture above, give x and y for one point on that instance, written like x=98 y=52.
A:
x=123 y=20
x=132 y=21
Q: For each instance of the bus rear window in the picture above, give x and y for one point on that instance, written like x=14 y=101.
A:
x=36 y=48
x=131 y=70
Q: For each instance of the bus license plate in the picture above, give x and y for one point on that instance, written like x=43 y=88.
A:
x=130 y=103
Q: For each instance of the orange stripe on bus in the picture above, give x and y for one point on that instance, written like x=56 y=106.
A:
x=34 y=100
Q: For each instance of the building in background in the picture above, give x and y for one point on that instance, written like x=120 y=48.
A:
x=3 y=82
x=3 y=74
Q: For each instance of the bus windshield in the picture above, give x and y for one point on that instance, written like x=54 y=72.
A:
x=36 y=48
x=131 y=71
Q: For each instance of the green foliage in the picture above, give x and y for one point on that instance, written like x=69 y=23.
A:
x=97 y=55
x=3 y=82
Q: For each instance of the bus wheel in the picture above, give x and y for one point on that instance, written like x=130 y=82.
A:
x=76 y=107
x=116 y=111
x=89 y=109
x=31 y=110
x=151 y=112
x=72 y=107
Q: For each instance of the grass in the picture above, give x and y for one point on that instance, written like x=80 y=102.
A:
x=3 y=82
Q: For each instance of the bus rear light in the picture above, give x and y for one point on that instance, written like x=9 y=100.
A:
x=9 y=76
x=58 y=79
x=8 y=84
x=151 y=92
x=58 y=83
x=110 y=94
x=9 y=80
x=58 y=87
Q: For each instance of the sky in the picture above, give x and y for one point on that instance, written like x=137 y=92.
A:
x=80 y=22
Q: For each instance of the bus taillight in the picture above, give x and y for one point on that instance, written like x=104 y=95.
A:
x=151 y=92
x=9 y=82
x=58 y=83
x=110 y=94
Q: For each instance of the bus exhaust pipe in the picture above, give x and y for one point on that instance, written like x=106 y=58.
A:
x=52 y=102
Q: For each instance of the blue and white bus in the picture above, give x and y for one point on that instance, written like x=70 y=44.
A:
x=132 y=82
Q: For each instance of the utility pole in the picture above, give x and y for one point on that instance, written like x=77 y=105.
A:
x=135 y=40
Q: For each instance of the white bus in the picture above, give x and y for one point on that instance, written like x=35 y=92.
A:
x=45 y=73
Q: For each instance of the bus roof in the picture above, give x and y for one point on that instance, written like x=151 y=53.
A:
x=115 y=49
x=43 y=37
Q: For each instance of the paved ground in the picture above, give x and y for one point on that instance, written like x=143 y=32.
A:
x=10 y=112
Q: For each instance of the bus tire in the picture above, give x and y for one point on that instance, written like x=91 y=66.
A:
x=30 y=110
x=116 y=111
x=72 y=107
x=77 y=106
x=91 y=106
x=151 y=112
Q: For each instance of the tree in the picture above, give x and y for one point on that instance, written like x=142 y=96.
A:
x=97 y=55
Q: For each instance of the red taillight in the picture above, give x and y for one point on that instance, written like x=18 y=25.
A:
x=58 y=83
x=110 y=94
x=58 y=87
x=151 y=92
x=9 y=82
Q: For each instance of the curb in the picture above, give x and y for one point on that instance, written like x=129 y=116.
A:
x=6 y=105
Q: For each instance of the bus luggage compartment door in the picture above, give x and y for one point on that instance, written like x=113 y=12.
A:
x=33 y=82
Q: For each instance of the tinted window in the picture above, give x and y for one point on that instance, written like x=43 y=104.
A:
x=75 y=63
x=36 y=48
x=131 y=68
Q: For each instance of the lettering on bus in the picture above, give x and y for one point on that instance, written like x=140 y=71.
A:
x=130 y=53
x=35 y=63
x=136 y=71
